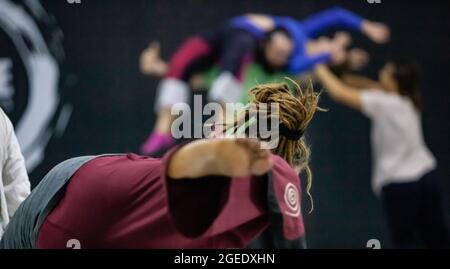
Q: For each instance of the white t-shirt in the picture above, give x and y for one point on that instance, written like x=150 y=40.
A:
x=398 y=148
x=14 y=184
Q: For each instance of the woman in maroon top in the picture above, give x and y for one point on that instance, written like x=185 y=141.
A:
x=211 y=193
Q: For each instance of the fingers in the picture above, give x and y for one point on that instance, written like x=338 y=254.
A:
x=382 y=34
x=149 y=58
x=252 y=145
x=378 y=32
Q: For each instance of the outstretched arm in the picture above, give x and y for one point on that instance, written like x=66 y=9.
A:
x=341 y=18
x=220 y=157
x=331 y=18
x=359 y=82
x=337 y=89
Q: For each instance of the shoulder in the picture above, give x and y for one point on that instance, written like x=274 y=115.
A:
x=376 y=93
x=376 y=101
x=282 y=168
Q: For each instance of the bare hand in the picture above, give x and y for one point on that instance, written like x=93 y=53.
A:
x=150 y=61
x=338 y=54
x=357 y=59
x=377 y=32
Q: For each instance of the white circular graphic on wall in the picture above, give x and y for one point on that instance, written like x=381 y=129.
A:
x=29 y=75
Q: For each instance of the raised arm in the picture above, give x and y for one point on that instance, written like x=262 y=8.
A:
x=219 y=157
x=359 y=82
x=337 y=89
x=331 y=18
x=342 y=18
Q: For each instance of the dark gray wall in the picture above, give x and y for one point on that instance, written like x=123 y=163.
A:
x=113 y=101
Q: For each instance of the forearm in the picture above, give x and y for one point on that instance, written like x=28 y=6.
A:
x=332 y=83
x=226 y=157
x=331 y=18
x=158 y=69
x=358 y=82
x=194 y=160
x=337 y=89
x=161 y=69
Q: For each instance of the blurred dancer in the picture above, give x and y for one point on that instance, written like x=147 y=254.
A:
x=404 y=169
x=211 y=193
x=14 y=184
x=277 y=43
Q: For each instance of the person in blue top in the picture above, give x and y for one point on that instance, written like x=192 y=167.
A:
x=277 y=43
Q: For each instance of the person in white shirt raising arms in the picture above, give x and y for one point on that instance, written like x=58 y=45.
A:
x=14 y=183
x=404 y=169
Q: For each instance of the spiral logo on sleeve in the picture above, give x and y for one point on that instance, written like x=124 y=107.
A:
x=30 y=52
x=292 y=200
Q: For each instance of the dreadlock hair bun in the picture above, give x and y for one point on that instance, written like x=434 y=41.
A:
x=296 y=109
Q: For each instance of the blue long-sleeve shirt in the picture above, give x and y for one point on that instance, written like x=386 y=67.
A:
x=303 y=30
x=331 y=18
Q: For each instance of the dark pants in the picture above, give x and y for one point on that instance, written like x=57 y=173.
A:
x=227 y=47
x=415 y=213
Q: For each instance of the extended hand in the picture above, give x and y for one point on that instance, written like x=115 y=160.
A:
x=377 y=32
x=150 y=61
